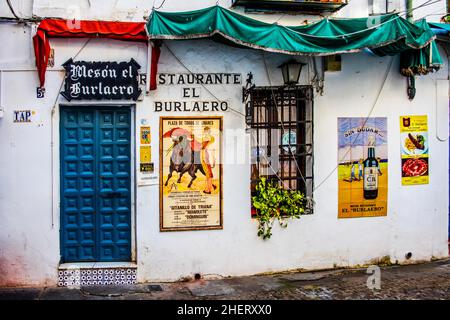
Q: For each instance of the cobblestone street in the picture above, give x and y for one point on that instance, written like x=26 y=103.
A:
x=421 y=281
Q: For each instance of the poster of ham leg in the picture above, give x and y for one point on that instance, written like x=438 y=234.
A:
x=414 y=150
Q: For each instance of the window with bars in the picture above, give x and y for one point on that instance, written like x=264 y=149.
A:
x=281 y=127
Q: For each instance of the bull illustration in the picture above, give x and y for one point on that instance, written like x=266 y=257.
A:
x=185 y=155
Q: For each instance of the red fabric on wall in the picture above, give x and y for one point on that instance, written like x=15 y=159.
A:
x=56 y=28
x=41 y=52
x=156 y=52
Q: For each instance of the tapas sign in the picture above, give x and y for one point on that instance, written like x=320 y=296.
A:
x=23 y=116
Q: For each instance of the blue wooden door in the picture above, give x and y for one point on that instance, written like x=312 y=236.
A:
x=95 y=184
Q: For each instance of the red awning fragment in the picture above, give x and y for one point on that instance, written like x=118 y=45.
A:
x=156 y=52
x=57 y=28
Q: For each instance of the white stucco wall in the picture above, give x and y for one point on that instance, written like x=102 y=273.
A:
x=29 y=192
x=417 y=216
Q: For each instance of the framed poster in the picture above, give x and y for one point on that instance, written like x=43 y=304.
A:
x=414 y=150
x=190 y=173
x=362 y=167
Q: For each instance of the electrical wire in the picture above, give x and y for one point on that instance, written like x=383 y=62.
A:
x=281 y=17
x=268 y=161
x=189 y=70
x=341 y=35
x=12 y=10
x=423 y=5
x=435 y=14
x=309 y=199
x=160 y=6
x=364 y=30
x=320 y=37
x=18 y=19
x=364 y=123
x=215 y=97
x=243 y=115
x=428 y=3
x=281 y=120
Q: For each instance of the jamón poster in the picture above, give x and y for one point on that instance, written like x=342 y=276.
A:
x=190 y=173
x=362 y=167
x=414 y=150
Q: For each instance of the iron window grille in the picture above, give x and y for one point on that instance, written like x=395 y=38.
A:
x=281 y=127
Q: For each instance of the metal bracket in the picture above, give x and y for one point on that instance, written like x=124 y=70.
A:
x=411 y=87
x=249 y=86
x=246 y=92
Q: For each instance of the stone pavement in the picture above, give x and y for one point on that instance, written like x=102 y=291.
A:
x=420 y=281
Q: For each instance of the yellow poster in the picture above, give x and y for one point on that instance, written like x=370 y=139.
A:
x=146 y=154
x=191 y=173
x=414 y=149
x=362 y=167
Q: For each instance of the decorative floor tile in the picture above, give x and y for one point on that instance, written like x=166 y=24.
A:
x=96 y=276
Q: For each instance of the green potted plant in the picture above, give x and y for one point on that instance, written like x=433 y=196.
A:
x=272 y=202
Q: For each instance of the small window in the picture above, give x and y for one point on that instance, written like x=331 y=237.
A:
x=377 y=7
x=293 y=6
x=281 y=123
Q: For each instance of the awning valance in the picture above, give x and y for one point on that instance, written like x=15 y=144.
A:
x=423 y=61
x=57 y=28
x=388 y=34
x=442 y=26
x=326 y=37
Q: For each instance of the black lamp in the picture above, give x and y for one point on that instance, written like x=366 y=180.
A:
x=291 y=71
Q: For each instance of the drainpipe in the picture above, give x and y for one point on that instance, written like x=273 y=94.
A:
x=411 y=81
x=409 y=10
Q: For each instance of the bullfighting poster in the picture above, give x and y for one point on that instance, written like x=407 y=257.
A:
x=362 y=167
x=190 y=173
x=414 y=149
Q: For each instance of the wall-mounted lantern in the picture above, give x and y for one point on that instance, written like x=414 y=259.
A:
x=291 y=71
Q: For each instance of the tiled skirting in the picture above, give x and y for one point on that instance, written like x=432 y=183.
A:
x=74 y=276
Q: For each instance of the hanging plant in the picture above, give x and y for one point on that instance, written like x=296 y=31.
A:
x=272 y=202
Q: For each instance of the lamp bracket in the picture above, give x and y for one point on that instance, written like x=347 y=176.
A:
x=249 y=86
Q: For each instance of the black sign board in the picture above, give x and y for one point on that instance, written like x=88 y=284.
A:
x=101 y=80
x=147 y=167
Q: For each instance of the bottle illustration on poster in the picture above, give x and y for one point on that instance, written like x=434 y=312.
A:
x=371 y=172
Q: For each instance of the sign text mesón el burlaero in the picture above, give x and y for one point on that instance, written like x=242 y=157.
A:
x=101 y=80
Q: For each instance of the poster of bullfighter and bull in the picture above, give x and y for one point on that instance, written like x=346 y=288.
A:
x=190 y=173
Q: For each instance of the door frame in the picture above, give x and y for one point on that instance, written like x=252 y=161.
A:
x=55 y=168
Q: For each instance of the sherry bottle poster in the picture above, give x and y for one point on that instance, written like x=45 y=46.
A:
x=191 y=173
x=414 y=149
x=362 y=167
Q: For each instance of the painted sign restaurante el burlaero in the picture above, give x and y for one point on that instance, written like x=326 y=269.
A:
x=101 y=80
